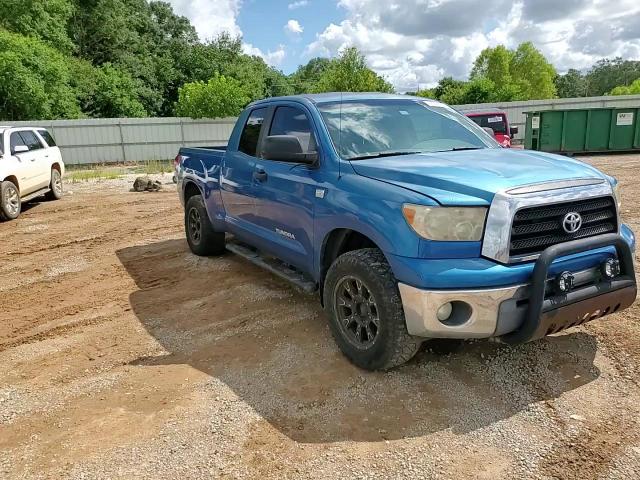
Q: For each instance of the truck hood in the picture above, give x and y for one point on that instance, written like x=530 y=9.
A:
x=472 y=177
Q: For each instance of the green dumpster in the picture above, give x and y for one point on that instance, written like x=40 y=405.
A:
x=583 y=130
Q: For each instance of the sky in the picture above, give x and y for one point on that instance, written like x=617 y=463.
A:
x=414 y=43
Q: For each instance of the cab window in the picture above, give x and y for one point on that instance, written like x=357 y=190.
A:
x=16 y=141
x=30 y=140
x=293 y=121
x=251 y=132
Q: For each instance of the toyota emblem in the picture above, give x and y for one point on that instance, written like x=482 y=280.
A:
x=572 y=222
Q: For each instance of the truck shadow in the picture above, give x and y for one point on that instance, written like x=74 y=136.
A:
x=271 y=346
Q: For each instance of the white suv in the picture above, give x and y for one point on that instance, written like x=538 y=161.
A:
x=30 y=166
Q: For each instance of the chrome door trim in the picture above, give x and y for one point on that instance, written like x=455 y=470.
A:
x=505 y=204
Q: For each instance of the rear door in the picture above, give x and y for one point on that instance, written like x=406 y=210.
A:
x=236 y=179
x=286 y=192
x=53 y=153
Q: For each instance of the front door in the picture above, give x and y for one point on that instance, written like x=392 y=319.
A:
x=286 y=193
x=40 y=161
x=236 y=180
x=25 y=164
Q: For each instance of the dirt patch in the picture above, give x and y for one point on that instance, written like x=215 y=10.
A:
x=124 y=356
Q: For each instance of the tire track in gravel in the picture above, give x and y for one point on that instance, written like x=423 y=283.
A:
x=54 y=332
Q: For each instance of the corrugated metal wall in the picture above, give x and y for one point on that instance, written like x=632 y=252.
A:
x=517 y=118
x=108 y=140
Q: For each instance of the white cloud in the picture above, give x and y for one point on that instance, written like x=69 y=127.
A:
x=294 y=27
x=210 y=18
x=298 y=4
x=416 y=42
x=273 y=58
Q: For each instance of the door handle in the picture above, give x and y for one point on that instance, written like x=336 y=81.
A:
x=260 y=175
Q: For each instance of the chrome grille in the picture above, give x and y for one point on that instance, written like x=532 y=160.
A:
x=536 y=228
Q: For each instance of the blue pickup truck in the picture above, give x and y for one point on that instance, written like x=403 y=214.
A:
x=411 y=222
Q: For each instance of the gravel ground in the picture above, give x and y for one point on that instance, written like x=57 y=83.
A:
x=127 y=357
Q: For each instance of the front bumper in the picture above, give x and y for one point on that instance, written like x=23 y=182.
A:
x=524 y=312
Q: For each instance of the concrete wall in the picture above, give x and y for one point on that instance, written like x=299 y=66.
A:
x=517 y=118
x=109 y=140
x=140 y=139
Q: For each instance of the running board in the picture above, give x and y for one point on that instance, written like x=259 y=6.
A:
x=273 y=265
x=38 y=193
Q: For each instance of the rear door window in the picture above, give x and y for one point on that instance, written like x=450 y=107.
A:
x=47 y=137
x=251 y=132
x=30 y=140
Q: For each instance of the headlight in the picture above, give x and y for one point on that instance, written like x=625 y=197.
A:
x=617 y=194
x=446 y=223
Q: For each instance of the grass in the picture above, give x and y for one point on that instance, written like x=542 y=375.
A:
x=154 y=166
x=75 y=176
x=83 y=173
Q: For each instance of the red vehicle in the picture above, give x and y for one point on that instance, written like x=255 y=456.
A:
x=496 y=120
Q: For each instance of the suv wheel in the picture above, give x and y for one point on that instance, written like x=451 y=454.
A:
x=365 y=311
x=10 y=205
x=55 y=186
x=202 y=239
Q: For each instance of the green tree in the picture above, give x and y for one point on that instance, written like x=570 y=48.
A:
x=520 y=74
x=633 y=89
x=305 y=78
x=219 y=97
x=533 y=74
x=350 y=73
x=144 y=39
x=479 y=90
x=494 y=64
x=608 y=74
x=45 y=20
x=571 y=85
x=449 y=90
x=258 y=79
x=35 y=80
x=425 y=93
x=106 y=91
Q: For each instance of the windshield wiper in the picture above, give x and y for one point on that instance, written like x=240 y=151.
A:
x=384 y=154
x=460 y=149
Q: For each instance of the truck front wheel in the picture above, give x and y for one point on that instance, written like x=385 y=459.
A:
x=365 y=311
x=202 y=238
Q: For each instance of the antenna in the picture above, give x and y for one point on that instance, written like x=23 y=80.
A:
x=340 y=139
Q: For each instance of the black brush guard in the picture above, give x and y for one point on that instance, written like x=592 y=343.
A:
x=549 y=315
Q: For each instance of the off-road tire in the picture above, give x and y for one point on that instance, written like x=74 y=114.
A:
x=207 y=241
x=393 y=345
x=10 y=204
x=55 y=186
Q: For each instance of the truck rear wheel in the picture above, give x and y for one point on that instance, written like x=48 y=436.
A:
x=10 y=204
x=365 y=311
x=202 y=239
x=55 y=186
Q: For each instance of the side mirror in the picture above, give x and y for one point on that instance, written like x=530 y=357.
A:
x=20 y=149
x=489 y=130
x=513 y=131
x=286 y=148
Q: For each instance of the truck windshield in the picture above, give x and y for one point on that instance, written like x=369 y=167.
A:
x=495 y=121
x=377 y=128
